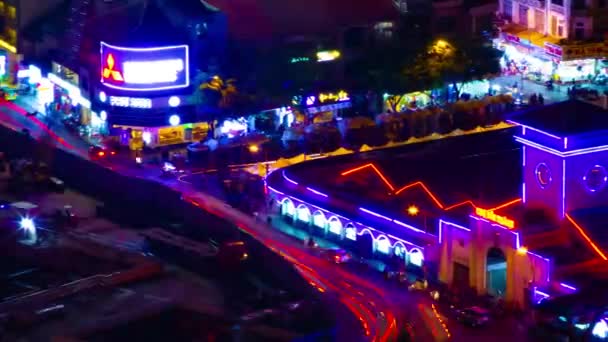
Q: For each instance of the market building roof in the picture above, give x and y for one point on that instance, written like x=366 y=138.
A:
x=564 y=119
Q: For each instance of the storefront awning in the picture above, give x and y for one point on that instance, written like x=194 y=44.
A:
x=525 y=36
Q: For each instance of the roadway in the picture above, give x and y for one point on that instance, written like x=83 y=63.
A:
x=375 y=304
x=369 y=304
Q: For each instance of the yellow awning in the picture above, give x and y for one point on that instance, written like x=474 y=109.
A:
x=533 y=37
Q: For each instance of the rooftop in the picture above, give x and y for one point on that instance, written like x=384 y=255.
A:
x=565 y=118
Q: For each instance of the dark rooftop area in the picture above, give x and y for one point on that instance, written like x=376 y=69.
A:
x=594 y=221
x=565 y=118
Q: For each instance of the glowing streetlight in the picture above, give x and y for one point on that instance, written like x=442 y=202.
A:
x=442 y=44
x=413 y=210
x=522 y=250
x=27 y=224
x=254 y=148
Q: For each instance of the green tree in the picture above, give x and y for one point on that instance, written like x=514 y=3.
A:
x=454 y=62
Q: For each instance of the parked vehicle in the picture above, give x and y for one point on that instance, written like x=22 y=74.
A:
x=473 y=316
x=339 y=256
x=98 y=152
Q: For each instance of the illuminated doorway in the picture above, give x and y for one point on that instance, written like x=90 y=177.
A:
x=496 y=272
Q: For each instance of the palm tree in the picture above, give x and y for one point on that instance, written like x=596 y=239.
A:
x=225 y=91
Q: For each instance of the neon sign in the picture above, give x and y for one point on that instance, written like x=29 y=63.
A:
x=144 y=69
x=341 y=96
x=490 y=215
x=132 y=102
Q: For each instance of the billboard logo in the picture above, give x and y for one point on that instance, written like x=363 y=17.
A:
x=109 y=72
x=144 y=69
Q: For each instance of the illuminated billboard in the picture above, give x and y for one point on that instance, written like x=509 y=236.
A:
x=144 y=69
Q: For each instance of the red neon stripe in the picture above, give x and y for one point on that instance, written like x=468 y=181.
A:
x=587 y=238
x=421 y=184
x=504 y=205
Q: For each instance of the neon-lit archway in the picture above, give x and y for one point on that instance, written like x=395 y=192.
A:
x=350 y=232
x=318 y=219
x=416 y=257
x=303 y=213
x=335 y=225
x=383 y=244
x=399 y=249
x=365 y=244
x=287 y=207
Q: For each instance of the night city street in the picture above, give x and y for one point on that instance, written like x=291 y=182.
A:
x=387 y=170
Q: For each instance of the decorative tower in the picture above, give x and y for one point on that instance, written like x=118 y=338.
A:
x=565 y=157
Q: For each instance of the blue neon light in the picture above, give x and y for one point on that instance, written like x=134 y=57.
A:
x=567 y=154
x=145 y=69
x=289 y=179
x=316 y=192
x=569 y=287
x=524 y=127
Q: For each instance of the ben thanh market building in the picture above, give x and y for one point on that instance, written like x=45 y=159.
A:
x=519 y=216
x=556 y=40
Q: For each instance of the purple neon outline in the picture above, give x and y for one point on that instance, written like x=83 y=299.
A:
x=565 y=143
x=523 y=159
x=288 y=179
x=543 y=294
x=563 y=187
x=535 y=129
x=291 y=198
x=275 y=190
x=605 y=178
x=567 y=154
x=493 y=224
x=442 y=222
x=410 y=227
x=569 y=287
x=162 y=48
x=316 y=192
x=375 y=214
x=523 y=192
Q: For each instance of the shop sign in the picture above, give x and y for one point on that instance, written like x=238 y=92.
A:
x=131 y=102
x=3 y=64
x=341 y=96
x=491 y=216
x=144 y=69
x=595 y=50
x=553 y=50
x=170 y=135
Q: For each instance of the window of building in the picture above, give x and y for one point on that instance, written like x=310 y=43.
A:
x=553 y=25
x=507 y=9
x=12 y=12
x=539 y=20
x=578 y=4
x=558 y=2
x=523 y=15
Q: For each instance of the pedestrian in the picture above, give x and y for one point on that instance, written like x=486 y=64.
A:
x=541 y=99
x=533 y=100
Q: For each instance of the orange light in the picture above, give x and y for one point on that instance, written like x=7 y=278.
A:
x=112 y=153
x=504 y=205
x=101 y=153
x=492 y=216
x=413 y=210
x=522 y=250
x=586 y=237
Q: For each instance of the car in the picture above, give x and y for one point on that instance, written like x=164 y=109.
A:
x=98 y=152
x=339 y=256
x=473 y=316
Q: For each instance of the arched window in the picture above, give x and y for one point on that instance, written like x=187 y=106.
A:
x=383 y=245
x=416 y=257
x=399 y=249
x=335 y=226
x=351 y=233
x=303 y=213
x=287 y=207
x=318 y=219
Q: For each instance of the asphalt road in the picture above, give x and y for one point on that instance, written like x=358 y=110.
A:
x=364 y=300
